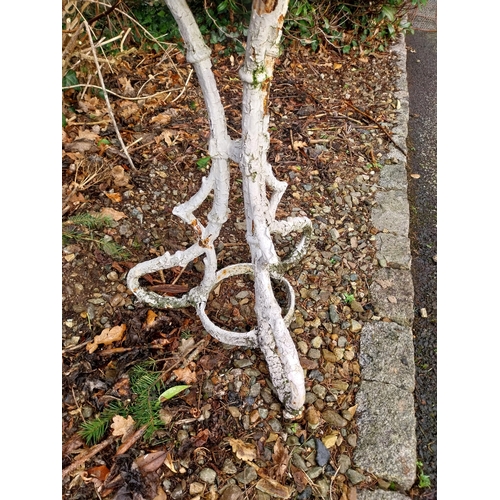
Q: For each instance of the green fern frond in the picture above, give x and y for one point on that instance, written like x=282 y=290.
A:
x=92 y=221
x=94 y=430
x=113 y=249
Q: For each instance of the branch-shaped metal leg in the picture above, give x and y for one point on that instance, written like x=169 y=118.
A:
x=271 y=334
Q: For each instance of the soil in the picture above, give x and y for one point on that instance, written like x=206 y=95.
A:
x=328 y=120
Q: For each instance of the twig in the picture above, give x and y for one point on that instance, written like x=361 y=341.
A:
x=121 y=96
x=110 y=111
x=384 y=130
x=185 y=86
x=93 y=451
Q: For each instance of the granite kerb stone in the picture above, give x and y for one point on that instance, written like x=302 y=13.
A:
x=385 y=404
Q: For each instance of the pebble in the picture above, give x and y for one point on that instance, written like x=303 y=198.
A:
x=247 y=475
x=333 y=418
x=232 y=492
x=314 y=472
x=196 y=488
x=208 y=475
x=334 y=316
x=229 y=467
x=356 y=326
x=314 y=353
x=320 y=391
x=322 y=453
x=317 y=342
x=354 y=476
x=306 y=494
x=344 y=462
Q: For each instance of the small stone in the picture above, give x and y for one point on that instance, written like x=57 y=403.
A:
x=299 y=462
x=112 y=276
x=342 y=341
x=232 y=492
x=356 y=306
x=320 y=391
x=356 y=326
x=234 y=411
x=312 y=416
x=196 y=488
x=315 y=472
x=423 y=312
x=329 y=355
x=247 y=476
x=322 y=453
x=339 y=352
x=354 y=476
x=177 y=494
x=275 y=425
x=352 y=439
x=332 y=311
x=229 y=467
x=208 y=475
x=317 y=342
x=314 y=353
x=344 y=462
x=306 y=494
x=243 y=363
x=330 y=440
x=333 y=418
x=302 y=346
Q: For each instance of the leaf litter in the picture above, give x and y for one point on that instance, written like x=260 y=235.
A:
x=330 y=155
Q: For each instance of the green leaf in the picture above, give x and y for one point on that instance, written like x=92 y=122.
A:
x=103 y=141
x=70 y=79
x=389 y=12
x=64 y=121
x=203 y=162
x=172 y=392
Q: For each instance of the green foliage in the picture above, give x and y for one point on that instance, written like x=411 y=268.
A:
x=148 y=393
x=423 y=480
x=83 y=227
x=348 y=298
x=94 y=430
x=203 y=162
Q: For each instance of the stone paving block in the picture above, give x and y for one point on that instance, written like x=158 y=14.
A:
x=392 y=212
x=387 y=355
x=380 y=495
x=387 y=440
x=393 y=251
x=392 y=295
x=394 y=176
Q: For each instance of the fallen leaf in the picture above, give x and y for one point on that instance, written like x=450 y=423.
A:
x=151 y=461
x=162 y=119
x=127 y=89
x=281 y=458
x=122 y=426
x=87 y=135
x=120 y=177
x=161 y=493
x=242 y=450
x=114 y=214
x=185 y=375
x=299 y=144
x=300 y=478
x=150 y=318
x=100 y=472
x=172 y=392
x=201 y=438
x=273 y=488
x=107 y=336
x=169 y=462
x=392 y=299
x=115 y=197
x=337 y=66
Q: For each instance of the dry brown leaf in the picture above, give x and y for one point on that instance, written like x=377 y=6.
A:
x=87 y=135
x=162 y=119
x=273 y=488
x=392 y=299
x=300 y=478
x=127 y=89
x=243 y=451
x=299 y=144
x=281 y=458
x=150 y=318
x=120 y=177
x=185 y=375
x=107 y=336
x=114 y=214
x=337 y=65
x=122 y=426
x=201 y=438
x=114 y=197
x=161 y=495
x=169 y=462
x=100 y=472
x=151 y=461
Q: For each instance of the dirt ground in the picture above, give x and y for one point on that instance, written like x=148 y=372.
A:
x=225 y=435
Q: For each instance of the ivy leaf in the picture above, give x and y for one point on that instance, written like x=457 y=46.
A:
x=203 y=162
x=389 y=12
x=172 y=392
x=70 y=79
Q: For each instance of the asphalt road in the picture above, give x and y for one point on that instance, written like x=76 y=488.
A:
x=422 y=194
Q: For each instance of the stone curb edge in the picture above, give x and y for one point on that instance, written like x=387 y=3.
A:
x=385 y=402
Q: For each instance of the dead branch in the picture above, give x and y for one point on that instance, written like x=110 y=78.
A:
x=108 y=104
x=92 y=452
